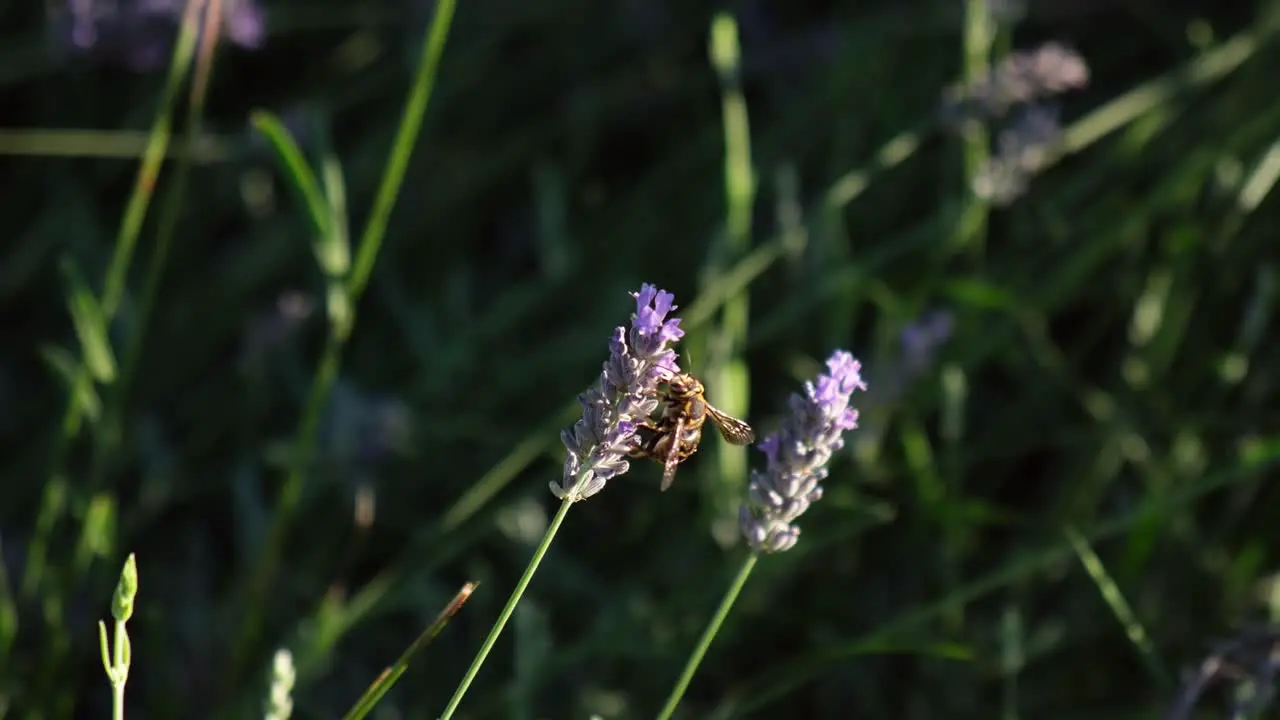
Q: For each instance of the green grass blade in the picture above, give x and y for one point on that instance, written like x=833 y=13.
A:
x=335 y=251
x=724 y=368
x=402 y=148
x=1128 y=619
x=90 y=324
x=389 y=676
x=979 y=39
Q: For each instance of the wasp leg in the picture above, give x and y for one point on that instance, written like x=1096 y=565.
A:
x=647 y=434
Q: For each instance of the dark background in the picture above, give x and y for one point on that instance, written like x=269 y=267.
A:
x=1109 y=369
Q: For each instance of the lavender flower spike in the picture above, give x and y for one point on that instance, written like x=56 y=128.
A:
x=625 y=394
x=798 y=453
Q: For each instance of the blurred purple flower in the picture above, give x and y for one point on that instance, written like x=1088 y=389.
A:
x=140 y=33
x=893 y=372
x=1021 y=78
x=361 y=429
x=244 y=23
x=920 y=340
x=1006 y=12
x=626 y=392
x=798 y=453
x=270 y=330
x=1021 y=151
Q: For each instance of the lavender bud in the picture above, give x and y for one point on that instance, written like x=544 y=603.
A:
x=797 y=455
x=625 y=394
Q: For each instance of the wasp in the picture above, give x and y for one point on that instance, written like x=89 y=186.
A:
x=675 y=436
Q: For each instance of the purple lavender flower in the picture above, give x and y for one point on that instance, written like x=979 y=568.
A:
x=625 y=394
x=798 y=454
x=140 y=33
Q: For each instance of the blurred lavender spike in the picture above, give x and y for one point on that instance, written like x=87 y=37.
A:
x=140 y=33
x=798 y=454
x=1022 y=150
x=921 y=339
x=892 y=374
x=626 y=393
x=1022 y=78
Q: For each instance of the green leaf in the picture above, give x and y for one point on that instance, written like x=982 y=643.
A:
x=66 y=367
x=91 y=326
x=333 y=248
x=980 y=294
x=301 y=178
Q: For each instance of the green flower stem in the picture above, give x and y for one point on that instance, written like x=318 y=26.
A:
x=120 y=660
x=117 y=661
x=507 y=611
x=708 y=635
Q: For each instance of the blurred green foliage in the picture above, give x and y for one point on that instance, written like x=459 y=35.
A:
x=1052 y=517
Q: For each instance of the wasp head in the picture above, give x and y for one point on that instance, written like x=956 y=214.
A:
x=684 y=386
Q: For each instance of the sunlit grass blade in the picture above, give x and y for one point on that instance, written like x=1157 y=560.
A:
x=326 y=374
x=390 y=675
x=1110 y=591
x=1205 y=68
x=334 y=254
x=724 y=369
x=333 y=247
x=979 y=39
x=106 y=144
x=410 y=123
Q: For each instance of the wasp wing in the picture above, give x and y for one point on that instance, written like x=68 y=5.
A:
x=673 y=455
x=733 y=430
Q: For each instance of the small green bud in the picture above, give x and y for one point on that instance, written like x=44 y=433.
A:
x=126 y=590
